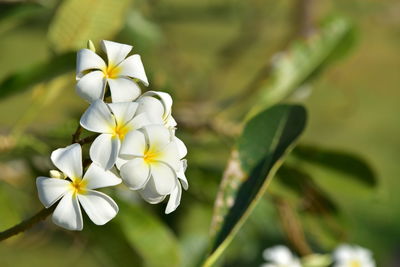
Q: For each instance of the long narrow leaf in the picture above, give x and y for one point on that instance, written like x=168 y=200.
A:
x=266 y=139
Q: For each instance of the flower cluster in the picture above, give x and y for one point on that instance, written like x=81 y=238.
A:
x=136 y=142
x=343 y=256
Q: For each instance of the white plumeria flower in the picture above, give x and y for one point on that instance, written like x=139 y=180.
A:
x=159 y=107
x=353 y=256
x=93 y=74
x=76 y=189
x=151 y=162
x=113 y=121
x=280 y=256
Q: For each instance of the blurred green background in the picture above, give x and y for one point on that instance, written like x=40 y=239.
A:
x=203 y=53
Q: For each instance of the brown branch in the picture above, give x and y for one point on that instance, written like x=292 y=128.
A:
x=76 y=135
x=291 y=226
x=25 y=225
x=87 y=140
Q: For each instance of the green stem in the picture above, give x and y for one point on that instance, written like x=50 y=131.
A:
x=26 y=224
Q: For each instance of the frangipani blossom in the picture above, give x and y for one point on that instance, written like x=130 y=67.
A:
x=113 y=121
x=151 y=163
x=159 y=107
x=280 y=256
x=75 y=190
x=93 y=74
x=353 y=256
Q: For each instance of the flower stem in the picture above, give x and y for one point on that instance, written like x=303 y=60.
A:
x=26 y=224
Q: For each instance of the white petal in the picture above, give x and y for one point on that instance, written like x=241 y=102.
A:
x=164 y=178
x=134 y=144
x=69 y=160
x=133 y=67
x=91 y=86
x=181 y=147
x=174 y=199
x=123 y=112
x=165 y=98
x=150 y=194
x=170 y=122
x=68 y=213
x=119 y=162
x=139 y=121
x=152 y=107
x=181 y=174
x=97 y=177
x=104 y=150
x=51 y=189
x=98 y=206
x=116 y=52
x=158 y=136
x=135 y=173
x=170 y=155
x=123 y=89
x=87 y=60
x=98 y=118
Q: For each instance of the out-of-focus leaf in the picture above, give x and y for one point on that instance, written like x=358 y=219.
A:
x=9 y=215
x=153 y=240
x=314 y=200
x=110 y=245
x=266 y=139
x=13 y=15
x=41 y=72
x=292 y=68
x=77 y=21
x=347 y=163
x=143 y=28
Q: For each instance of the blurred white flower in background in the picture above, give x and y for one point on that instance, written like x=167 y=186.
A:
x=352 y=256
x=93 y=74
x=280 y=256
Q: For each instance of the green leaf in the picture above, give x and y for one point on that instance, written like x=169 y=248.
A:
x=77 y=21
x=13 y=15
x=41 y=72
x=265 y=140
x=347 y=163
x=153 y=240
x=297 y=65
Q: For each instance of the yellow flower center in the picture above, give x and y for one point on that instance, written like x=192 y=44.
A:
x=355 y=263
x=121 y=131
x=111 y=71
x=78 y=186
x=150 y=156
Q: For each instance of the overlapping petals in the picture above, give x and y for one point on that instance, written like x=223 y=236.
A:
x=75 y=190
x=159 y=107
x=152 y=164
x=113 y=121
x=120 y=73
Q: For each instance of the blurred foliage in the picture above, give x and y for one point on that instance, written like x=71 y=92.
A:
x=209 y=55
x=77 y=21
